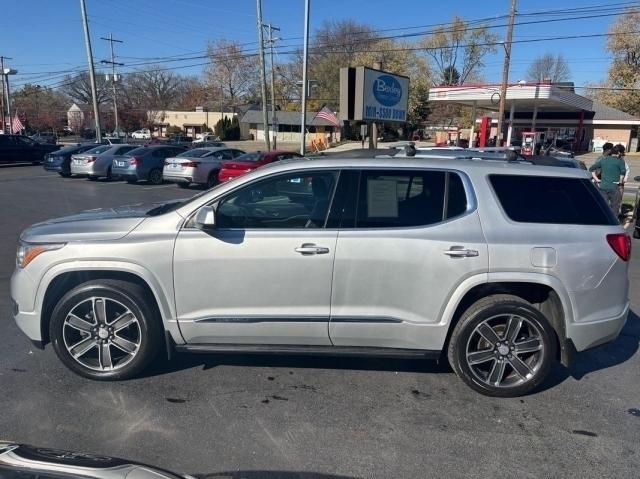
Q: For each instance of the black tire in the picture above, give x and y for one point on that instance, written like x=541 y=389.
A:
x=183 y=185
x=129 y=295
x=212 y=180
x=539 y=362
x=155 y=176
x=64 y=175
x=109 y=176
x=636 y=232
x=131 y=181
x=92 y=178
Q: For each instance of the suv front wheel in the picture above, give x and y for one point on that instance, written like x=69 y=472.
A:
x=502 y=346
x=105 y=329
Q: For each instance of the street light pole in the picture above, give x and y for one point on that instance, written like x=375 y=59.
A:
x=263 y=80
x=303 y=119
x=274 y=122
x=92 y=75
x=113 y=78
x=5 y=74
x=2 y=123
x=505 y=68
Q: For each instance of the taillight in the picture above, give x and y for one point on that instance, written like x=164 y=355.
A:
x=190 y=164
x=91 y=159
x=166 y=163
x=621 y=244
x=134 y=161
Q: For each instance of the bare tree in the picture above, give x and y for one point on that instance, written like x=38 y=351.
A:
x=78 y=88
x=232 y=70
x=155 y=88
x=460 y=48
x=549 y=66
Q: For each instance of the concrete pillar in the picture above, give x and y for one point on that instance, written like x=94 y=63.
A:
x=510 y=128
x=535 y=117
x=473 y=125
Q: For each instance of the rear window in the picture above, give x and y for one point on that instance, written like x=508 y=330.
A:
x=137 y=151
x=543 y=199
x=195 y=153
x=99 y=149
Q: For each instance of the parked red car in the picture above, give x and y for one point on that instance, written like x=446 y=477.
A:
x=250 y=161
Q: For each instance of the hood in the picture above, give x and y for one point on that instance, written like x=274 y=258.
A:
x=99 y=224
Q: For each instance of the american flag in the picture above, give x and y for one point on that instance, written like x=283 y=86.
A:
x=326 y=114
x=16 y=125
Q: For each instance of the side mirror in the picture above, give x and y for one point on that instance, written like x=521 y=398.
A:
x=205 y=218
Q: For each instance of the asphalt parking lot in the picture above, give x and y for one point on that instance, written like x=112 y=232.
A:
x=293 y=417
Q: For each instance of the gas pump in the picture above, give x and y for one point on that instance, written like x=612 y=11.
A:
x=529 y=141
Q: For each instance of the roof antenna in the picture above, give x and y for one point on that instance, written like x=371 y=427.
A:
x=410 y=149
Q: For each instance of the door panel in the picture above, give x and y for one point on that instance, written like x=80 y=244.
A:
x=391 y=284
x=254 y=279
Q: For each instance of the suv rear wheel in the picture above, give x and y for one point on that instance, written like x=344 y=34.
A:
x=105 y=329
x=502 y=346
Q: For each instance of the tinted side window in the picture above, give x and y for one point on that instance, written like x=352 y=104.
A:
x=295 y=200
x=456 y=197
x=400 y=198
x=541 y=199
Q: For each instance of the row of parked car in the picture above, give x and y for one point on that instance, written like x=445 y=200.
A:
x=156 y=163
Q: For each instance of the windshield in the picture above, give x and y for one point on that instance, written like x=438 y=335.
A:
x=197 y=153
x=255 y=156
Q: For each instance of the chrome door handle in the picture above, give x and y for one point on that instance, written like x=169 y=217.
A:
x=457 y=252
x=310 y=248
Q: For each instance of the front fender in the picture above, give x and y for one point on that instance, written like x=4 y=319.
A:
x=163 y=293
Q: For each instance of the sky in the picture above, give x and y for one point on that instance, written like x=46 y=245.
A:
x=44 y=38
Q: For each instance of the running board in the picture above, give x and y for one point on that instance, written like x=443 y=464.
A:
x=308 y=350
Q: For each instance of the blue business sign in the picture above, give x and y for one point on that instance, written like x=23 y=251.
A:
x=387 y=90
x=384 y=96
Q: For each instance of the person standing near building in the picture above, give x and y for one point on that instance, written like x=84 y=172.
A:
x=612 y=171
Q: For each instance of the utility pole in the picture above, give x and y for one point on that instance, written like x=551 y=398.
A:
x=505 y=68
x=92 y=73
x=303 y=120
x=113 y=64
x=274 y=122
x=263 y=80
x=3 y=124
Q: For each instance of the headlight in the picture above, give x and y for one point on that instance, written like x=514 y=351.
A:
x=28 y=252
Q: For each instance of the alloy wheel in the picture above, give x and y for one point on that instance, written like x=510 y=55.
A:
x=101 y=334
x=505 y=350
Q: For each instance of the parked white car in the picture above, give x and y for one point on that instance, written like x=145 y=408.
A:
x=144 y=134
x=203 y=137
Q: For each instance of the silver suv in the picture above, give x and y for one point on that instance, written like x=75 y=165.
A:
x=501 y=267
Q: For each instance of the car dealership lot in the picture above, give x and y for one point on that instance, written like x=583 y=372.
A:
x=320 y=417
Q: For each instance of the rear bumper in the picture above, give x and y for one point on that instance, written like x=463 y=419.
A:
x=177 y=179
x=590 y=334
x=126 y=173
x=230 y=175
x=86 y=170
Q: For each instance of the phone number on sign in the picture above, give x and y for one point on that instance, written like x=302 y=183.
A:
x=385 y=113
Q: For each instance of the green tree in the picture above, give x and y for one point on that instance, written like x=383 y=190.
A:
x=174 y=130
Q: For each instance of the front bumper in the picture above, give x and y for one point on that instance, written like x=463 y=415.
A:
x=25 y=314
x=590 y=334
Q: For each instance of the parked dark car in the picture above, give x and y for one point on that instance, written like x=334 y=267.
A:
x=49 y=138
x=60 y=160
x=144 y=163
x=18 y=148
x=180 y=140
